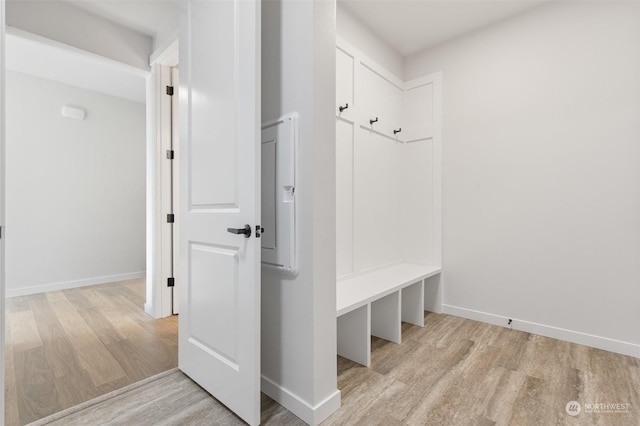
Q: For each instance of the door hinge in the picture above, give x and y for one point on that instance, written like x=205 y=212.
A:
x=170 y=154
x=170 y=90
x=171 y=218
x=171 y=282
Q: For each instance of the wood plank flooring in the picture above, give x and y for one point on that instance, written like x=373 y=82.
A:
x=451 y=372
x=460 y=372
x=66 y=347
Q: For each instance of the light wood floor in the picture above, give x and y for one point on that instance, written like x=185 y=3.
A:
x=460 y=372
x=67 y=347
x=451 y=372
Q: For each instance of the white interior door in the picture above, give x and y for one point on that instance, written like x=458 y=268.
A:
x=219 y=343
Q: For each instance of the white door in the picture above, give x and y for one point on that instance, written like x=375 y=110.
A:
x=219 y=343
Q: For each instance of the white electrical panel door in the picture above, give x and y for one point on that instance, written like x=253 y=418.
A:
x=279 y=194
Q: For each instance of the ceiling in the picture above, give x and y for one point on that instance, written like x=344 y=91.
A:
x=409 y=26
x=44 y=58
x=155 y=18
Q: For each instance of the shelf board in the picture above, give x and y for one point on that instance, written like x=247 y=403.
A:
x=354 y=292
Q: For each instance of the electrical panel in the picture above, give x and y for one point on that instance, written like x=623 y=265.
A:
x=279 y=166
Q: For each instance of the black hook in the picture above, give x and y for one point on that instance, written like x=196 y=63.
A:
x=373 y=121
x=397 y=131
x=342 y=108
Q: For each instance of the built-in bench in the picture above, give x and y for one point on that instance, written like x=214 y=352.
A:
x=376 y=303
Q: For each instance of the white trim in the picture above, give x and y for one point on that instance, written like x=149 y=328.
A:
x=153 y=305
x=163 y=188
x=312 y=415
x=175 y=181
x=159 y=296
x=2 y=203
x=436 y=80
x=63 y=285
x=599 y=342
x=365 y=60
x=423 y=81
x=158 y=299
x=168 y=52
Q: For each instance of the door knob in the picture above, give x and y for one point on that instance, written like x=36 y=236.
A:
x=246 y=231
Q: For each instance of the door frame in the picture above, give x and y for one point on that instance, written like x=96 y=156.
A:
x=159 y=297
x=2 y=206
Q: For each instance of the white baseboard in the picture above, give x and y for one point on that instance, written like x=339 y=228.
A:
x=599 y=342
x=24 y=291
x=312 y=415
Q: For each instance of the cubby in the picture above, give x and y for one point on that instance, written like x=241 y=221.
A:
x=388 y=245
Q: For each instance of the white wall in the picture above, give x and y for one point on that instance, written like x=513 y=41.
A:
x=75 y=189
x=299 y=313
x=541 y=172
x=361 y=37
x=61 y=21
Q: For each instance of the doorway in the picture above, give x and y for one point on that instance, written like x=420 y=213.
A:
x=76 y=342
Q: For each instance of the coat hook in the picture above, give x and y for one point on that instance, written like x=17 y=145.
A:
x=373 y=121
x=342 y=108
x=397 y=131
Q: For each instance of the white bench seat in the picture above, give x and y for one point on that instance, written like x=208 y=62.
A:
x=376 y=303
x=354 y=292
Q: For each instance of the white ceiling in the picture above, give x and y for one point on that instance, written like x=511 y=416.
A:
x=41 y=57
x=405 y=25
x=45 y=58
x=155 y=18
x=409 y=26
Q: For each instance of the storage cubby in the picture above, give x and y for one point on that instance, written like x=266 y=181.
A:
x=387 y=200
